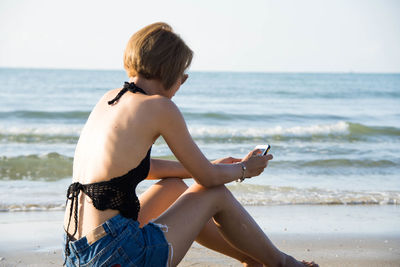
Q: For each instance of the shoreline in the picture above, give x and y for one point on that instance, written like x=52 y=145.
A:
x=329 y=235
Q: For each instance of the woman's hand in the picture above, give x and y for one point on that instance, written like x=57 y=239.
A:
x=255 y=163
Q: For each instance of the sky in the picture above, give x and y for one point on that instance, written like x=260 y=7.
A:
x=225 y=35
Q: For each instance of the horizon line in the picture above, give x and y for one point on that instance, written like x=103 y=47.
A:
x=204 y=71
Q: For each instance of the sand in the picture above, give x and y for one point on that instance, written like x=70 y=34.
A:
x=327 y=250
x=34 y=238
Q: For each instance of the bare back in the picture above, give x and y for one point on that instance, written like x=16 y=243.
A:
x=113 y=141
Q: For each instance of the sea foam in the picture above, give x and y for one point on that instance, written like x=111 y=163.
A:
x=340 y=127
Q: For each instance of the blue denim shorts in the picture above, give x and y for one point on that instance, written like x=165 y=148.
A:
x=119 y=242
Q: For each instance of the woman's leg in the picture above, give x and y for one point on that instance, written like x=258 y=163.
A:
x=161 y=195
x=188 y=215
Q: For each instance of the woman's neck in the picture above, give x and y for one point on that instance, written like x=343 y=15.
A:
x=151 y=87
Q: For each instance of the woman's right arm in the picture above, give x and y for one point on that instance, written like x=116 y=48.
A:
x=173 y=128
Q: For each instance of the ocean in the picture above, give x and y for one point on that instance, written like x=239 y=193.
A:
x=335 y=137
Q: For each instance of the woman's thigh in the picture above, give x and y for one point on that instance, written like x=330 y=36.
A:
x=155 y=200
x=188 y=215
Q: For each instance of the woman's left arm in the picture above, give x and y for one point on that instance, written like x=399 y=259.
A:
x=160 y=169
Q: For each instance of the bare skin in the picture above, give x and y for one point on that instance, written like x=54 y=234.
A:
x=116 y=138
x=162 y=195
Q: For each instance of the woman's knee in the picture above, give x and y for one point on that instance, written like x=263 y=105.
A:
x=218 y=192
x=173 y=183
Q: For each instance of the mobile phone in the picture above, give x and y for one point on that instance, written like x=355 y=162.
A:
x=264 y=149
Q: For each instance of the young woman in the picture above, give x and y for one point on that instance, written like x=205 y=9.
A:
x=106 y=224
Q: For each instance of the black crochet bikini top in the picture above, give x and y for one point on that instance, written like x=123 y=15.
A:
x=117 y=193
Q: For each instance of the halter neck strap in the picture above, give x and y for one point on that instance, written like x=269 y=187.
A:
x=131 y=87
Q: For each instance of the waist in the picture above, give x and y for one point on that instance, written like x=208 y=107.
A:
x=88 y=218
x=113 y=226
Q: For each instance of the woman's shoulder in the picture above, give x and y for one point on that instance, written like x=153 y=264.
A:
x=151 y=104
x=110 y=94
x=157 y=103
x=162 y=105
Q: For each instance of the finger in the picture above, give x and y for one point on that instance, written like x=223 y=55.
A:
x=269 y=157
x=255 y=152
x=262 y=161
x=234 y=160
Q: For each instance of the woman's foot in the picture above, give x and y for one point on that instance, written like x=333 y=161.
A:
x=310 y=264
x=292 y=262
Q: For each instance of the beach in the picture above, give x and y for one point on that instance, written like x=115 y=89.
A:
x=331 y=194
x=344 y=236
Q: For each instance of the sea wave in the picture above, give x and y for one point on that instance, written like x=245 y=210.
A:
x=224 y=116
x=39 y=138
x=48 y=115
x=341 y=129
x=31 y=207
x=225 y=132
x=54 y=133
x=51 y=166
x=335 y=163
x=247 y=194
x=64 y=133
x=360 y=129
x=41 y=129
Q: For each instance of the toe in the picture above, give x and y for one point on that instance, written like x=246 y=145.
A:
x=310 y=264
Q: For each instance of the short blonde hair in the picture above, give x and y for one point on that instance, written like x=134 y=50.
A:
x=156 y=52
